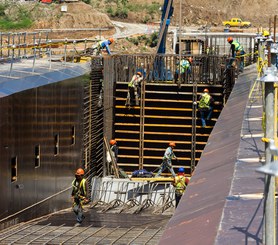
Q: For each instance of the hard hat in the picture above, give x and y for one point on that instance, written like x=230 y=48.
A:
x=181 y=170
x=139 y=73
x=265 y=33
x=112 y=142
x=111 y=40
x=79 y=171
x=173 y=144
x=206 y=90
x=229 y=39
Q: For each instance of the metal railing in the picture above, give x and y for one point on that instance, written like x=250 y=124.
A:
x=132 y=196
x=32 y=47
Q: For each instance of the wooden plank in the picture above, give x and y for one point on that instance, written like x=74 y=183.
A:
x=158 y=141
x=156 y=149
x=152 y=157
x=160 y=133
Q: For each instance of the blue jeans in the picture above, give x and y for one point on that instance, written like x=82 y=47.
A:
x=165 y=164
x=241 y=63
x=78 y=210
x=205 y=114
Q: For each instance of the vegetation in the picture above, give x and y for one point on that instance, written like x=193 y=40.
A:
x=148 y=41
x=121 y=8
x=22 y=18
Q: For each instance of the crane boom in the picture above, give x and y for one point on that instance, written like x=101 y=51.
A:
x=167 y=12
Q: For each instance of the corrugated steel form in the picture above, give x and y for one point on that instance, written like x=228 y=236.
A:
x=40 y=116
x=223 y=202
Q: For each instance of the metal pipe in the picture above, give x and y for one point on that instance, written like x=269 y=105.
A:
x=179 y=67
x=34 y=59
x=65 y=51
x=274 y=30
x=12 y=61
x=269 y=180
x=50 y=54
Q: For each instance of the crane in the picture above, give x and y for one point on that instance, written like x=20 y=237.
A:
x=167 y=12
x=160 y=72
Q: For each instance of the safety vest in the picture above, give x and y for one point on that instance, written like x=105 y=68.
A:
x=204 y=101
x=99 y=44
x=180 y=184
x=184 y=65
x=238 y=46
x=79 y=188
x=134 y=81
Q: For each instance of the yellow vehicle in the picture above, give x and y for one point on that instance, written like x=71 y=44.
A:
x=236 y=22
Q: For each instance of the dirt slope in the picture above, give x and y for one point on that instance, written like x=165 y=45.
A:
x=213 y=12
x=193 y=12
x=78 y=15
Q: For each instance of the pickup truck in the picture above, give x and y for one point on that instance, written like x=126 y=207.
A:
x=236 y=22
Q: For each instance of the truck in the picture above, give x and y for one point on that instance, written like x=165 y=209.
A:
x=236 y=22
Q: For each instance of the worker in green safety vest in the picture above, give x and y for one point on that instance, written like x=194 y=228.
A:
x=134 y=91
x=205 y=106
x=79 y=194
x=184 y=69
x=237 y=52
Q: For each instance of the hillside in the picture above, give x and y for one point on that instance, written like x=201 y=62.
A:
x=98 y=13
x=102 y=13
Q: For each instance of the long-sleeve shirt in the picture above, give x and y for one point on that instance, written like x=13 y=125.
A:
x=105 y=44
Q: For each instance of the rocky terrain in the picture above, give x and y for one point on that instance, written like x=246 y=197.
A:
x=190 y=13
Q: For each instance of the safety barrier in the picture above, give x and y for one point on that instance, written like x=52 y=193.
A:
x=125 y=195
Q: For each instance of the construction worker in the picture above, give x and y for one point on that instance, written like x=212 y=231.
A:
x=205 y=106
x=114 y=148
x=180 y=183
x=167 y=160
x=184 y=69
x=79 y=194
x=101 y=45
x=237 y=51
x=134 y=91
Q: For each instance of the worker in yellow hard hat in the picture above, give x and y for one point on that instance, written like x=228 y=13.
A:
x=79 y=194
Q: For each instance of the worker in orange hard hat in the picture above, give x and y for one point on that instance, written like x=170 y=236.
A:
x=79 y=194
x=205 y=106
x=237 y=50
x=134 y=90
x=101 y=45
x=114 y=149
x=167 y=160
